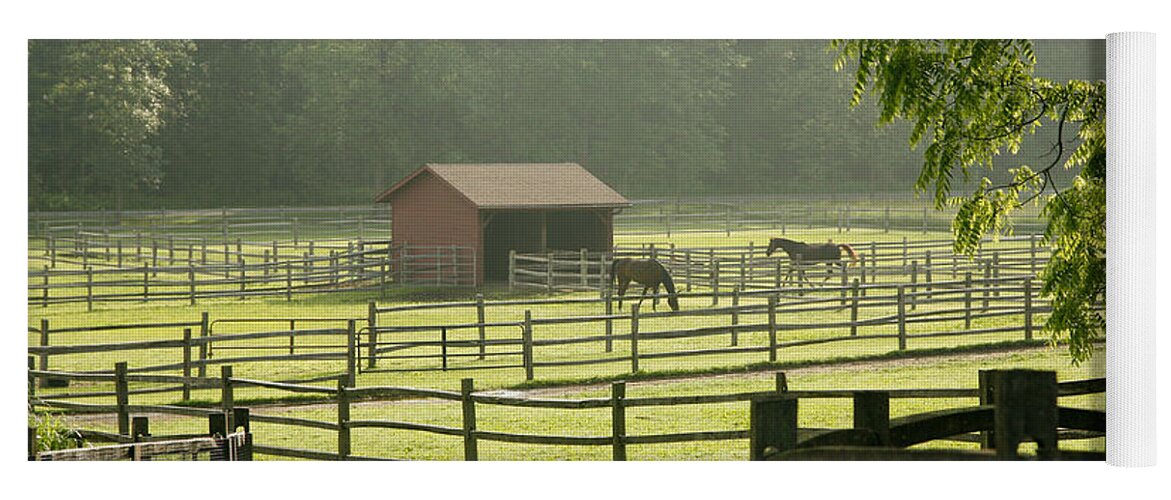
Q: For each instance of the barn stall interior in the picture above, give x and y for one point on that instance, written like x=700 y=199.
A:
x=462 y=220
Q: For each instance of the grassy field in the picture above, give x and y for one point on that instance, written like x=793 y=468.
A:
x=752 y=371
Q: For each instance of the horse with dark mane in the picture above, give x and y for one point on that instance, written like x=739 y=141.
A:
x=650 y=273
x=801 y=253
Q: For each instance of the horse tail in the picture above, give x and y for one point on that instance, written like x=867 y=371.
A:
x=849 y=249
x=669 y=284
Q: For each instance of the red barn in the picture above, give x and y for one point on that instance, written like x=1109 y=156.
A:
x=491 y=209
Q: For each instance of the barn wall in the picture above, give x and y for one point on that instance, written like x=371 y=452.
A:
x=428 y=211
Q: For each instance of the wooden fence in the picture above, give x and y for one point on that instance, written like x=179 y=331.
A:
x=851 y=313
x=469 y=429
x=726 y=215
x=727 y=268
x=371 y=266
x=140 y=445
x=223 y=225
x=1015 y=406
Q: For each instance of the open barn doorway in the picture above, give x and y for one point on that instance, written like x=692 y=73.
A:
x=535 y=231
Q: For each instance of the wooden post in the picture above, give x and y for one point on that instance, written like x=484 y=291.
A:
x=1028 y=308
x=714 y=275
x=186 y=364
x=511 y=270
x=204 y=345
x=687 y=261
x=772 y=328
x=480 y=319
x=585 y=268
x=968 y=300
x=902 y=311
x=874 y=261
x=32 y=379
x=45 y=290
x=773 y=426
x=1033 y=254
x=52 y=252
x=351 y=353
x=904 y=251
x=872 y=412
x=618 y=419
x=735 y=315
x=89 y=289
x=292 y=336
x=777 y=276
x=443 y=347
x=343 y=418
x=634 y=338
x=44 y=357
x=549 y=272
x=782 y=383
x=145 y=283
x=743 y=271
x=288 y=282
x=854 y=292
x=1026 y=408
x=987 y=438
x=996 y=272
x=372 y=334
x=927 y=272
x=609 y=304
x=122 y=398
x=845 y=283
x=987 y=284
x=191 y=284
x=471 y=451
x=527 y=343
x=227 y=397
x=914 y=284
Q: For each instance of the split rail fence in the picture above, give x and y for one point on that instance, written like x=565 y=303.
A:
x=727 y=268
x=366 y=266
x=471 y=430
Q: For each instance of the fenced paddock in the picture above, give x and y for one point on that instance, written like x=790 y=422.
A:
x=544 y=336
x=366 y=266
x=727 y=268
x=348 y=424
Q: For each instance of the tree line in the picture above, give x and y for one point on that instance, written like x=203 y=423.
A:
x=210 y=123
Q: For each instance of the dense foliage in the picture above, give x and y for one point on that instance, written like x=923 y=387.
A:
x=971 y=101
x=144 y=124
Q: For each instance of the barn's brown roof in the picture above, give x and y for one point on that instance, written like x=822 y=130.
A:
x=520 y=185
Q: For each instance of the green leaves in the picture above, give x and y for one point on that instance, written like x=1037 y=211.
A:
x=973 y=101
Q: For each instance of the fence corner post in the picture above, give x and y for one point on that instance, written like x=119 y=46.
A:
x=351 y=352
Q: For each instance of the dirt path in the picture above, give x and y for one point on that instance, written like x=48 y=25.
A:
x=560 y=391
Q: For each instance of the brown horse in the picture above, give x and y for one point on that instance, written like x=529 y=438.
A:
x=801 y=253
x=650 y=273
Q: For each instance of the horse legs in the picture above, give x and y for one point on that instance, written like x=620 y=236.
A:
x=622 y=284
x=655 y=300
x=645 y=289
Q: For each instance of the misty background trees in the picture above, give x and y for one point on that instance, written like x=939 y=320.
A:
x=151 y=124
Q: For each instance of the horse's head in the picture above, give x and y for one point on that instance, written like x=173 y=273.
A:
x=673 y=301
x=773 y=245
